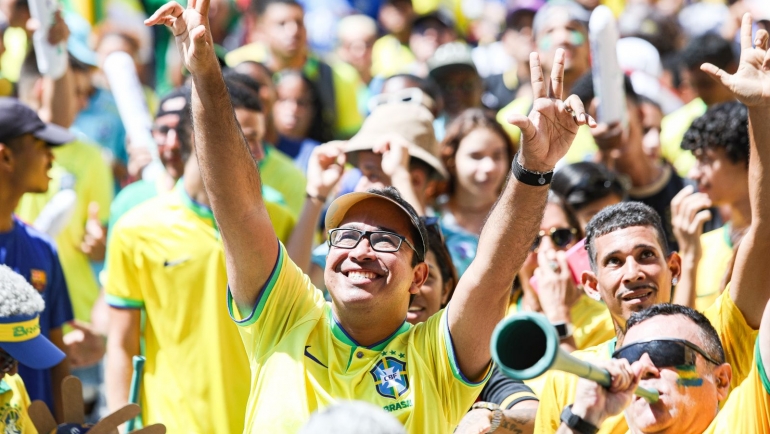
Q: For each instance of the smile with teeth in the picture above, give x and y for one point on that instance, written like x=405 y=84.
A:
x=637 y=294
x=416 y=309
x=361 y=275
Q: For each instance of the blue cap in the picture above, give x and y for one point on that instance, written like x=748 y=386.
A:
x=21 y=338
x=77 y=43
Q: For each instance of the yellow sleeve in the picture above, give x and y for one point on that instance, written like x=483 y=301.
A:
x=747 y=409
x=287 y=300
x=458 y=392
x=282 y=219
x=123 y=286
x=555 y=395
x=100 y=185
x=737 y=337
x=593 y=323
x=346 y=85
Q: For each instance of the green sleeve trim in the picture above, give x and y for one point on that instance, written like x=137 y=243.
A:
x=458 y=374
x=123 y=303
x=259 y=305
x=761 y=367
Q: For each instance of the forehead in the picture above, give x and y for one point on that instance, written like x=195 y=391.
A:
x=665 y=326
x=456 y=74
x=167 y=120
x=627 y=239
x=376 y=214
x=560 y=19
x=553 y=217
x=282 y=11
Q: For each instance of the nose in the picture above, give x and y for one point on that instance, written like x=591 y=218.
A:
x=649 y=370
x=546 y=244
x=632 y=271
x=292 y=28
x=487 y=165
x=694 y=172
x=363 y=251
x=172 y=140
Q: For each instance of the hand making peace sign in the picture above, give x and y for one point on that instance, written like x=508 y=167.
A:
x=548 y=131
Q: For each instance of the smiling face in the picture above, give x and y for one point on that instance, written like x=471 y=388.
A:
x=481 y=163
x=689 y=398
x=293 y=110
x=363 y=280
x=560 y=32
x=633 y=271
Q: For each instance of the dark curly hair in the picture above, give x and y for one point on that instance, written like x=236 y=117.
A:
x=723 y=126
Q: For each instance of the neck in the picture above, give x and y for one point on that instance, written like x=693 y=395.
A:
x=403 y=35
x=277 y=63
x=193 y=186
x=359 y=327
x=9 y=200
x=470 y=212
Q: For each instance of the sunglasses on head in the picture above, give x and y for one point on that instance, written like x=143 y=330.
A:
x=561 y=237
x=663 y=352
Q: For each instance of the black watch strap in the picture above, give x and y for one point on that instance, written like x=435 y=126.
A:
x=530 y=177
x=576 y=423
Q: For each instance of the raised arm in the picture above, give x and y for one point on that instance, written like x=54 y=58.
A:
x=481 y=297
x=751 y=85
x=229 y=172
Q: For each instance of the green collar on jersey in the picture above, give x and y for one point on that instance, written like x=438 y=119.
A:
x=4 y=387
x=200 y=210
x=345 y=338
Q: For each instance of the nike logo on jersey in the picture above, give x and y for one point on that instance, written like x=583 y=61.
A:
x=168 y=263
x=312 y=357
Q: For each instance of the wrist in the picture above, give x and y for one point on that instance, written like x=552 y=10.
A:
x=532 y=164
x=594 y=416
x=314 y=196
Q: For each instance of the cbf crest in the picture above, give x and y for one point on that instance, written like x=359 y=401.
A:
x=390 y=377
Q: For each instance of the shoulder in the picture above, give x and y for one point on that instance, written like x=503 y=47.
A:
x=602 y=351
x=149 y=216
x=34 y=236
x=251 y=52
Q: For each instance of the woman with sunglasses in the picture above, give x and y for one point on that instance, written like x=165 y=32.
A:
x=582 y=322
x=478 y=154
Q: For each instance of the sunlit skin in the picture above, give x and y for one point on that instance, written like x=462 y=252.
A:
x=391 y=277
x=681 y=409
x=710 y=91
x=652 y=117
x=32 y=159
x=557 y=33
x=432 y=294
x=587 y=212
x=293 y=110
x=633 y=272
x=372 y=175
x=253 y=126
x=721 y=179
x=481 y=164
x=169 y=147
x=283 y=29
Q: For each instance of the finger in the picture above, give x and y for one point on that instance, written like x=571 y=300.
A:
x=746 y=32
x=557 y=74
x=591 y=121
x=760 y=39
x=578 y=109
x=93 y=211
x=168 y=10
x=202 y=6
x=537 y=80
x=677 y=200
x=528 y=131
x=561 y=259
x=717 y=74
x=700 y=219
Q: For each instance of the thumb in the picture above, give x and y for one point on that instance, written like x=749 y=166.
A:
x=524 y=123
x=93 y=211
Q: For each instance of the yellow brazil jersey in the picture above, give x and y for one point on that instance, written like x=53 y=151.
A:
x=279 y=172
x=391 y=57
x=78 y=166
x=165 y=256
x=14 y=403
x=737 y=339
x=302 y=360
x=717 y=252
x=672 y=130
x=747 y=409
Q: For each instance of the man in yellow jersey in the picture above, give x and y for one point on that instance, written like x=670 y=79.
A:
x=676 y=351
x=165 y=262
x=631 y=270
x=306 y=354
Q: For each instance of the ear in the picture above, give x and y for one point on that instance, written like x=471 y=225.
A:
x=6 y=157
x=419 y=276
x=723 y=374
x=590 y=284
x=674 y=263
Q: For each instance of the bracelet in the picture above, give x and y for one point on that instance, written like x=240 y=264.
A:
x=319 y=199
x=497 y=414
x=576 y=423
x=530 y=177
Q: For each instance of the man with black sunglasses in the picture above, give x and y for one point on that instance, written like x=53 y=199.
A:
x=632 y=269
x=306 y=354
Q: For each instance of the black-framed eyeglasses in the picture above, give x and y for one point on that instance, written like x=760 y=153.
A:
x=561 y=237
x=664 y=352
x=432 y=224
x=381 y=241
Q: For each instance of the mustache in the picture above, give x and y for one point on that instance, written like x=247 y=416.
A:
x=629 y=289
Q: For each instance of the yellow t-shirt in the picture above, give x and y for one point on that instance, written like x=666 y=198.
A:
x=737 y=339
x=391 y=57
x=302 y=360
x=717 y=253
x=81 y=167
x=14 y=403
x=278 y=171
x=165 y=256
x=747 y=409
x=672 y=129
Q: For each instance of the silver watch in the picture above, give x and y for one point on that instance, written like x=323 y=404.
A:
x=497 y=414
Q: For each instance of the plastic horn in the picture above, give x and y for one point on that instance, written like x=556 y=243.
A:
x=526 y=346
x=607 y=76
x=51 y=59
x=120 y=70
x=133 y=393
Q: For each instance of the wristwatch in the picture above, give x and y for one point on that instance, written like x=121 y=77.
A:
x=497 y=414
x=576 y=423
x=564 y=329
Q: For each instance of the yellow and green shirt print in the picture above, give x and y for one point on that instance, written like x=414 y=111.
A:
x=14 y=402
x=165 y=256
x=302 y=360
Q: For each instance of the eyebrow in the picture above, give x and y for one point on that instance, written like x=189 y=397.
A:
x=357 y=226
x=636 y=247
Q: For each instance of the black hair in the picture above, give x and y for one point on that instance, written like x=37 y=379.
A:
x=260 y=6
x=446 y=267
x=710 y=337
x=620 y=216
x=259 y=65
x=724 y=126
x=232 y=76
x=419 y=233
x=320 y=130
x=585 y=182
x=584 y=89
x=242 y=95
x=569 y=212
x=709 y=48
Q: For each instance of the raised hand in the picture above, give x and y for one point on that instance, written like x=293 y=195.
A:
x=395 y=154
x=191 y=31
x=689 y=212
x=324 y=170
x=751 y=83
x=595 y=403
x=548 y=131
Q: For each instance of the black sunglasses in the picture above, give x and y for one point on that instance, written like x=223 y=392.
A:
x=664 y=353
x=560 y=236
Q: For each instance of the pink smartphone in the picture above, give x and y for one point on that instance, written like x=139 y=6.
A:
x=577 y=260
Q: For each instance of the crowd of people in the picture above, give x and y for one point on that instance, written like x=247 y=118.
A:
x=336 y=202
